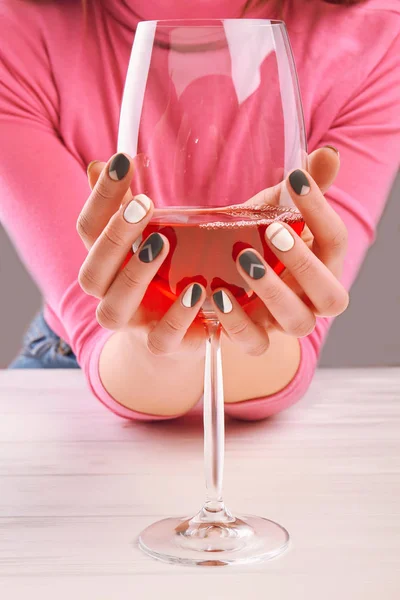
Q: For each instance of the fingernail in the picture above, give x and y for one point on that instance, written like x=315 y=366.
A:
x=119 y=167
x=90 y=165
x=192 y=295
x=299 y=182
x=152 y=248
x=280 y=237
x=223 y=301
x=333 y=148
x=252 y=264
x=137 y=209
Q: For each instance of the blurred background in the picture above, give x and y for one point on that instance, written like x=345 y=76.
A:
x=368 y=334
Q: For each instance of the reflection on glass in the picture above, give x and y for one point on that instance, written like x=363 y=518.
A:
x=212 y=116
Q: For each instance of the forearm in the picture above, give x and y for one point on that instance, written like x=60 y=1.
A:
x=172 y=385
x=156 y=385
x=247 y=377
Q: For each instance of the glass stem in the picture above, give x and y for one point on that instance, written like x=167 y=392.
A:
x=214 y=425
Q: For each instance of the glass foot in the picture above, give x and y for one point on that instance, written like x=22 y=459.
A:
x=214 y=539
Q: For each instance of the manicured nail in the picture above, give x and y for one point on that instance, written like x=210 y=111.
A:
x=137 y=209
x=119 y=167
x=299 y=182
x=223 y=301
x=90 y=165
x=333 y=148
x=152 y=248
x=280 y=237
x=192 y=295
x=252 y=264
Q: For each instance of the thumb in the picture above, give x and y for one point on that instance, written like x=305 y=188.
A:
x=323 y=166
x=94 y=170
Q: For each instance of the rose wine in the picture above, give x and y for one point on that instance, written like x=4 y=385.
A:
x=204 y=245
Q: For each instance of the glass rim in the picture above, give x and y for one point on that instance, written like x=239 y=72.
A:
x=213 y=208
x=209 y=22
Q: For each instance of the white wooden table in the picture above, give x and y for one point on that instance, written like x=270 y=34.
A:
x=77 y=485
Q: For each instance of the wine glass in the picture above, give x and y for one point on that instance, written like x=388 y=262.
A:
x=212 y=116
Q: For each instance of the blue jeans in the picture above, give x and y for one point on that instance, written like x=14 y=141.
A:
x=43 y=349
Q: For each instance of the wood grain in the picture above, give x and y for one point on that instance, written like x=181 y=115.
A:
x=77 y=485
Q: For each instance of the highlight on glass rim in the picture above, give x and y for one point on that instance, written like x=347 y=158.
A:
x=199 y=363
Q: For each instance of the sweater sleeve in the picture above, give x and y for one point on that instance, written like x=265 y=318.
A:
x=366 y=131
x=42 y=190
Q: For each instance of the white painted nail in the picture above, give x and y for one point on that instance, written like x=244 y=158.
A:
x=192 y=295
x=280 y=237
x=223 y=302
x=137 y=209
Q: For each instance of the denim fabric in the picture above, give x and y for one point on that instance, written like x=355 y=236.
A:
x=43 y=349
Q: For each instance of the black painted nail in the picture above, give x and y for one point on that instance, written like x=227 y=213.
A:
x=299 y=183
x=252 y=264
x=152 y=248
x=191 y=296
x=223 y=301
x=119 y=167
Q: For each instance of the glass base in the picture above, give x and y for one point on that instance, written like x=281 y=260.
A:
x=211 y=541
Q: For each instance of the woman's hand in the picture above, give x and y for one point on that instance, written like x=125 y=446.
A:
x=166 y=337
x=309 y=286
x=110 y=222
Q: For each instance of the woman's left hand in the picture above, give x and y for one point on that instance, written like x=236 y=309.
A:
x=309 y=287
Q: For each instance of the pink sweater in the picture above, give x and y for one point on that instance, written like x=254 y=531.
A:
x=60 y=91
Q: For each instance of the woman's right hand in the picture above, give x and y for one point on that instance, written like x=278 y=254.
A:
x=109 y=223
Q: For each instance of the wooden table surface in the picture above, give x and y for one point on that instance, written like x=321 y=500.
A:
x=77 y=485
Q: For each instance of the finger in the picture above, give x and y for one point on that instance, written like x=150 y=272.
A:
x=288 y=310
x=271 y=196
x=93 y=172
x=109 y=251
x=260 y=315
x=323 y=166
x=319 y=284
x=328 y=229
x=238 y=325
x=105 y=199
x=169 y=333
x=125 y=294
